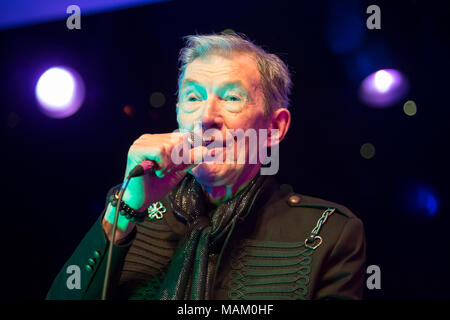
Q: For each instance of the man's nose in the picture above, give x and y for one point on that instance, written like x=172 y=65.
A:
x=211 y=116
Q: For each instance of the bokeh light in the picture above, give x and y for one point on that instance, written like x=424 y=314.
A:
x=157 y=99
x=418 y=198
x=153 y=115
x=128 y=110
x=13 y=120
x=367 y=151
x=426 y=200
x=410 y=108
x=59 y=92
x=383 y=88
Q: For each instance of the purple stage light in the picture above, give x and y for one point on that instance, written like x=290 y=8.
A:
x=60 y=92
x=383 y=88
x=26 y=12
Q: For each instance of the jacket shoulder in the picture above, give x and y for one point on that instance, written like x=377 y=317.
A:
x=301 y=201
x=290 y=216
x=285 y=201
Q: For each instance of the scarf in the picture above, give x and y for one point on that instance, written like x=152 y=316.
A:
x=192 y=271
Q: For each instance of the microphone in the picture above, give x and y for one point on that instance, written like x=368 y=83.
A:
x=149 y=166
x=145 y=167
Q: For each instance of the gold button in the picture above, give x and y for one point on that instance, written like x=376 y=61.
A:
x=294 y=199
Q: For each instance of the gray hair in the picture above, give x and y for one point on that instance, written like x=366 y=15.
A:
x=275 y=79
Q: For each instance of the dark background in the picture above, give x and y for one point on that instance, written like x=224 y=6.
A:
x=56 y=172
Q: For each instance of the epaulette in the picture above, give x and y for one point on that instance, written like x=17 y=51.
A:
x=297 y=200
x=326 y=209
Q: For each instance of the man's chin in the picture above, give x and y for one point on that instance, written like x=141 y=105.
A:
x=213 y=174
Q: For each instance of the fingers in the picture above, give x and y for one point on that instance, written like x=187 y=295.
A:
x=171 y=152
x=191 y=158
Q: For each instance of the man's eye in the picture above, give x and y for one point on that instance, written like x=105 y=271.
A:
x=192 y=98
x=232 y=98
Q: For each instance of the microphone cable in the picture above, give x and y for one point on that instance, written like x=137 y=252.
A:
x=145 y=167
x=113 y=237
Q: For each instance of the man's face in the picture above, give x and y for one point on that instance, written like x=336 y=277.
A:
x=222 y=93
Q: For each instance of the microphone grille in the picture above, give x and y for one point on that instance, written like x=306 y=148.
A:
x=195 y=139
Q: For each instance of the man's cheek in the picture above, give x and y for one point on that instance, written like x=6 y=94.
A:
x=186 y=121
x=242 y=122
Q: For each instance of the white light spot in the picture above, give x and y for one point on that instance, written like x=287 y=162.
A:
x=55 y=88
x=383 y=80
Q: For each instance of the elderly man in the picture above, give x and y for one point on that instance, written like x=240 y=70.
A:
x=220 y=229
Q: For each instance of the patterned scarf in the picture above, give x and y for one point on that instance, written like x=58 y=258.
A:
x=192 y=270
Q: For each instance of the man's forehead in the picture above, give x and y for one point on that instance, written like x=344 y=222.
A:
x=229 y=84
x=238 y=68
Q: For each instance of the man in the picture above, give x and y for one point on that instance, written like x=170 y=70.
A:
x=222 y=229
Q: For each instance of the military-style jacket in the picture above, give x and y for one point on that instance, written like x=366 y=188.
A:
x=293 y=247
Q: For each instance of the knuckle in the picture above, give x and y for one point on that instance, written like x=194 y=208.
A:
x=145 y=136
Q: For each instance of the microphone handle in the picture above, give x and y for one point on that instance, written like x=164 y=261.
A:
x=149 y=166
x=145 y=167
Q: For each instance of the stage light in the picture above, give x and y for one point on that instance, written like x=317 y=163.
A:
x=26 y=12
x=383 y=88
x=59 y=92
x=383 y=80
x=410 y=108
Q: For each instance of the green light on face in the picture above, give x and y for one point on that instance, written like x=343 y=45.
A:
x=410 y=108
x=367 y=151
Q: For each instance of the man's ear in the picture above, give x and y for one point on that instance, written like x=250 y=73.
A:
x=280 y=119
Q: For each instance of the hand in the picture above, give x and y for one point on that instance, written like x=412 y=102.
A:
x=145 y=190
